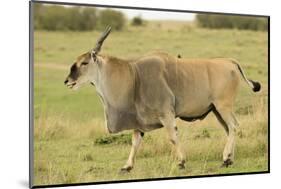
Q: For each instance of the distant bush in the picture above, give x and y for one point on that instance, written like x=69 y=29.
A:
x=90 y=19
x=114 y=139
x=63 y=18
x=75 y=18
x=230 y=21
x=38 y=8
x=137 y=21
x=113 y=18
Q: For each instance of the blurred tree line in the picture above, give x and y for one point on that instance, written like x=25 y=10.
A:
x=230 y=21
x=76 y=18
x=54 y=17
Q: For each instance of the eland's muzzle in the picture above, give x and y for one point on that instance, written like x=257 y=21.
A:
x=69 y=84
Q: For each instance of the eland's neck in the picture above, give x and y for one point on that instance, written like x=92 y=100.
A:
x=116 y=83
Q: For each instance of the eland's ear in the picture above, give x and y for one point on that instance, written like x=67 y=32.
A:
x=93 y=55
x=104 y=35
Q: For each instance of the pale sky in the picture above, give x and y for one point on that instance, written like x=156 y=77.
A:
x=158 y=15
x=154 y=15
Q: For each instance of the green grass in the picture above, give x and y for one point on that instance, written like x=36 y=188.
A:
x=78 y=157
x=69 y=133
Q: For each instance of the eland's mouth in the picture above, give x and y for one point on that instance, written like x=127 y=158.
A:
x=71 y=85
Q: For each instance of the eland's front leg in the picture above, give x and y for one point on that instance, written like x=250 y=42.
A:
x=136 y=140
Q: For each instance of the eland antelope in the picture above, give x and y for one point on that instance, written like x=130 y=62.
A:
x=150 y=92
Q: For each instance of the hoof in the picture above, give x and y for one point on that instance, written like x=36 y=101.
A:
x=227 y=163
x=181 y=164
x=126 y=169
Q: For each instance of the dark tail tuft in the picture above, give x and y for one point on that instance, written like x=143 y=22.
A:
x=257 y=85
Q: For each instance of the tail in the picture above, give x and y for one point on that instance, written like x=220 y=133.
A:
x=256 y=86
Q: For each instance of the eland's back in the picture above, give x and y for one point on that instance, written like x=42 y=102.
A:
x=192 y=85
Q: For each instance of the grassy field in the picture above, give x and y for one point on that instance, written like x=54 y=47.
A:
x=70 y=140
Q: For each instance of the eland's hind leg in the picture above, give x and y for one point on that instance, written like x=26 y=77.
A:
x=228 y=121
x=170 y=125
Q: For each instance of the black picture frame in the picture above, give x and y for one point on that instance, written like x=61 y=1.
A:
x=31 y=95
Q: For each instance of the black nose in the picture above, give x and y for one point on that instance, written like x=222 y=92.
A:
x=65 y=82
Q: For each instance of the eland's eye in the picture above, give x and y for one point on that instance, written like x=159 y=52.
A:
x=84 y=63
